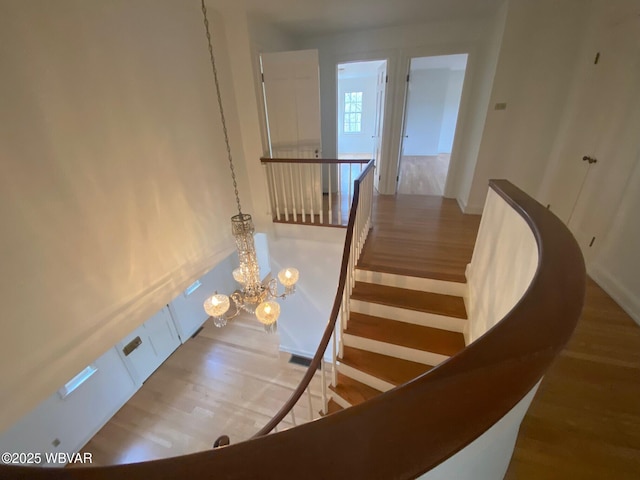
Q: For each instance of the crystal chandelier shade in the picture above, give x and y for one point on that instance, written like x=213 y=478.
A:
x=255 y=296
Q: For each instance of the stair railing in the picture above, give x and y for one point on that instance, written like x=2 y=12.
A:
x=357 y=230
x=311 y=190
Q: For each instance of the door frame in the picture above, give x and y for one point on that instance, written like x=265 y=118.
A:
x=373 y=56
x=405 y=63
x=383 y=138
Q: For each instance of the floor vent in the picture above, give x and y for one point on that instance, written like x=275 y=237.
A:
x=197 y=332
x=298 y=360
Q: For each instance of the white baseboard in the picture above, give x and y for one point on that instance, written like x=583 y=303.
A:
x=469 y=209
x=626 y=299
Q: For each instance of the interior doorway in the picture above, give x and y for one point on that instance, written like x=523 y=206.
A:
x=434 y=89
x=361 y=88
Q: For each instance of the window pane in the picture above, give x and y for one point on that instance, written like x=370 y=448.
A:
x=352 y=112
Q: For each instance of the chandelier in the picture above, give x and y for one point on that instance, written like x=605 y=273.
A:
x=254 y=296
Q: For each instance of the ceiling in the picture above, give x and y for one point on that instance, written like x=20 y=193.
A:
x=318 y=17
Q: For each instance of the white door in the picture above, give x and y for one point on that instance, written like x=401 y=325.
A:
x=381 y=84
x=292 y=104
x=602 y=124
x=144 y=349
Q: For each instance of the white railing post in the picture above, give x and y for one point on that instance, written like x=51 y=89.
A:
x=302 y=185
x=339 y=194
x=310 y=403
x=311 y=169
x=325 y=402
x=272 y=174
x=293 y=417
x=335 y=356
x=329 y=183
x=321 y=196
x=285 y=200
x=293 y=194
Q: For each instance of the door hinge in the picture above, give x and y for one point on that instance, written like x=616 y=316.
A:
x=262 y=76
x=408 y=76
x=386 y=79
x=398 y=178
x=597 y=59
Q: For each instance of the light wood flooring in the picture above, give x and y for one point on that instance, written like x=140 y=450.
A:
x=584 y=422
x=224 y=381
x=420 y=236
x=423 y=175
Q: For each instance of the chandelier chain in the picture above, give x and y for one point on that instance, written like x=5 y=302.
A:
x=222 y=117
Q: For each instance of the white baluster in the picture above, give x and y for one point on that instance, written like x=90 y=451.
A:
x=340 y=194
x=329 y=177
x=285 y=200
x=321 y=206
x=293 y=193
x=302 y=187
x=312 y=189
x=325 y=402
x=272 y=176
x=335 y=356
x=350 y=184
x=310 y=403
x=293 y=417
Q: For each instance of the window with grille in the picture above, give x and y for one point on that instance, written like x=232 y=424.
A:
x=352 y=112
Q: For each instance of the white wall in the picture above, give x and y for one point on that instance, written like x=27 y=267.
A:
x=76 y=418
x=505 y=259
x=481 y=70
x=113 y=181
x=304 y=316
x=537 y=57
x=617 y=264
x=358 y=142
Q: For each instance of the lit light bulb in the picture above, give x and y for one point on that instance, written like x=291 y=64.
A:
x=268 y=312
x=288 y=277
x=216 y=305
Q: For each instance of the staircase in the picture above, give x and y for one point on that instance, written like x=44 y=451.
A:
x=399 y=328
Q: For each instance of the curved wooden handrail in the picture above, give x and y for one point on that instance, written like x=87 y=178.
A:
x=315 y=160
x=413 y=428
x=333 y=317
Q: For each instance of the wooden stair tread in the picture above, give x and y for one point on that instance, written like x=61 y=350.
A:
x=409 y=335
x=332 y=407
x=390 y=369
x=352 y=390
x=420 y=272
x=447 y=305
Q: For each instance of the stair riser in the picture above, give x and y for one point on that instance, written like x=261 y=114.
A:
x=412 y=283
x=427 y=358
x=365 y=378
x=409 y=316
x=339 y=400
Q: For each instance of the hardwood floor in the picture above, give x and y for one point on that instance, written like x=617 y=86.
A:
x=584 y=422
x=224 y=381
x=423 y=175
x=420 y=236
